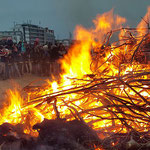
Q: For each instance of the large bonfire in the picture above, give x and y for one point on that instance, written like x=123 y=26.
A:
x=105 y=82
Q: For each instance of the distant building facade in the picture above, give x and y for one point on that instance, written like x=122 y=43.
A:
x=29 y=33
x=15 y=36
x=65 y=42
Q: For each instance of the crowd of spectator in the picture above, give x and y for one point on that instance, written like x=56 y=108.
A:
x=19 y=58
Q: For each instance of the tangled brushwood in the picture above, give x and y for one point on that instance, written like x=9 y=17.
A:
x=116 y=106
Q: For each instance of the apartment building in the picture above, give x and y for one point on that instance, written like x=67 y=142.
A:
x=29 y=33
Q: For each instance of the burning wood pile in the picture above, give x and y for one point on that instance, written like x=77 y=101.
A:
x=101 y=101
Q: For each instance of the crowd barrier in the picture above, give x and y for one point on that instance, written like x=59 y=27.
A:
x=18 y=69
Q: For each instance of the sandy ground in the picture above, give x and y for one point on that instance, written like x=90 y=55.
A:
x=22 y=82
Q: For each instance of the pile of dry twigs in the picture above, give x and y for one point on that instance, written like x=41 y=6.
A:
x=116 y=105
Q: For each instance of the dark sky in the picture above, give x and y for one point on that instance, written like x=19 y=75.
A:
x=64 y=15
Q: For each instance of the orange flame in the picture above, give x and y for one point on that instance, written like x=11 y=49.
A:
x=144 y=24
